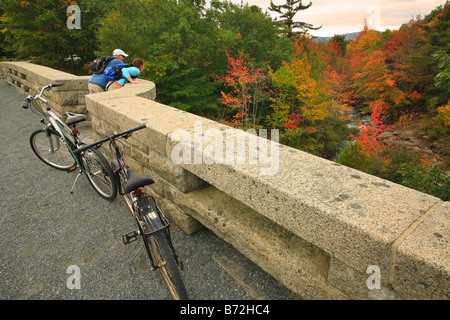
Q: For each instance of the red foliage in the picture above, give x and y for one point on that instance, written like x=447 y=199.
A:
x=247 y=86
x=295 y=121
x=370 y=136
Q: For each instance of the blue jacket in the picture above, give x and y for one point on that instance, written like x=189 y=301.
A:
x=99 y=79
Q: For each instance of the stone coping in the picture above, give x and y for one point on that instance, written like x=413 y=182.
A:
x=39 y=76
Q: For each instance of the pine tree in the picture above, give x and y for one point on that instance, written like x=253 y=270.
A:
x=288 y=11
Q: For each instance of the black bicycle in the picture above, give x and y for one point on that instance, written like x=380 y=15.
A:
x=152 y=225
x=54 y=144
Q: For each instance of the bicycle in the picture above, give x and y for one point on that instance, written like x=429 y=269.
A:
x=48 y=145
x=152 y=225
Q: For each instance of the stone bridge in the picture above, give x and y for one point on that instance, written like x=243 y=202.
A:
x=323 y=230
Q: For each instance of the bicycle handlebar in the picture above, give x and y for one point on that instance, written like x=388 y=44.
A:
x=49 y=86
x=26 y=102
x=113 y=136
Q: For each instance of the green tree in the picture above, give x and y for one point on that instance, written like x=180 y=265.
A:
x=288 y=11
x=251 y=31
x=184 y=44
x=175 y=43
x=37 y=30
x=442 y=79
x=436 y=26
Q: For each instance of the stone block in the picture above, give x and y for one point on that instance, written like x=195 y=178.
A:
x=184 y=221
x=422 y=265
x=41 y=75
x=297 y=264
x=64 y=98
x=139 y=157
x=176 y=175
x=354 y=284
x=159 y=191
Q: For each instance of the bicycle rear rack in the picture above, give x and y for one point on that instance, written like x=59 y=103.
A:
x=152 y=216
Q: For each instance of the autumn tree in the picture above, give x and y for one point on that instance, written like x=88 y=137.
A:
x=366 y=42
x=375 y=86
x=407 y=62
x=336 y=71
x=370 y=136
x=246 y=90
x=301 y=92
x=368 y=152
x=288 y=11
x=303 y=108
x=340 y=41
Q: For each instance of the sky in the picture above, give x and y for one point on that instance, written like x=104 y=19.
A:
x=347 y=16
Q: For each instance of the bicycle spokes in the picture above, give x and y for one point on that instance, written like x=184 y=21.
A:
x=51 y=142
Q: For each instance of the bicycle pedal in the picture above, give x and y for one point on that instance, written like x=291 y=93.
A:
x=129 y=237
x=179 y=262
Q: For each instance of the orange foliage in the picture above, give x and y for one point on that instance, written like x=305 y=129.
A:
x=376 y=86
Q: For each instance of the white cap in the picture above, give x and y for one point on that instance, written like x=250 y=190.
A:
x=119 y=52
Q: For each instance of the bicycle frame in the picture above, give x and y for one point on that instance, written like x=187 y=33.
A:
x=68 y=136
x=153 y=226
x=57 y=124
x=154 y=219
x=135 y=195
x=52 y=120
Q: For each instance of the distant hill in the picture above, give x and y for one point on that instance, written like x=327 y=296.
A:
x=348 y=36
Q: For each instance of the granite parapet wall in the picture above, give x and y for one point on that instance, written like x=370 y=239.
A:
x=322 y=229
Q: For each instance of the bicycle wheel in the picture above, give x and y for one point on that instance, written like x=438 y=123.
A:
x=167 y=265
x=49 y=148
x=99 y=173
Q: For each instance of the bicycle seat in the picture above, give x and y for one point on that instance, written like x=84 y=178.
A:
x=73 y=118
x=136 y=181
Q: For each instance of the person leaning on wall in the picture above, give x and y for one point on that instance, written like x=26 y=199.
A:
x=128 y=75
x=97 y=83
